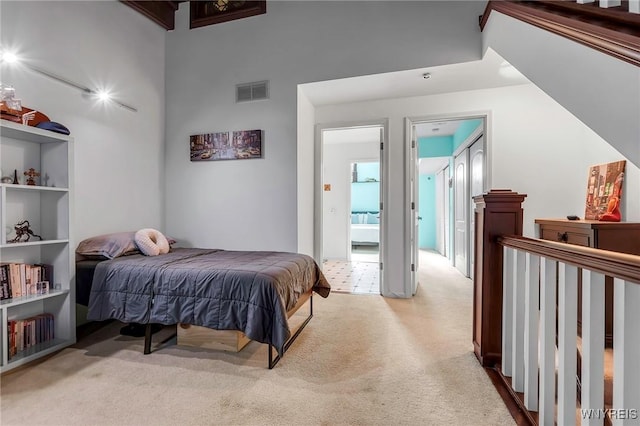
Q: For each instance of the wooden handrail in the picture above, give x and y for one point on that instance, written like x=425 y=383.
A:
x=619 y=265
x=614 y=32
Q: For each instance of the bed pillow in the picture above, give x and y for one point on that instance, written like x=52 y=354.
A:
x=107 y=246
x=373 y=218
x=151 y=242
x=110 y=246
x=358 y=218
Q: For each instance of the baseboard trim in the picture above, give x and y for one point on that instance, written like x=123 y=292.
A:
x=512 y=399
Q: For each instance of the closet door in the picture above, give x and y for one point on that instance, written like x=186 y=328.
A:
x=460 y=212
x=476 y=179
x=440 y=235
x=447 y=213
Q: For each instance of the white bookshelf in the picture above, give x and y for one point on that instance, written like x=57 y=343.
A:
x=48 y=208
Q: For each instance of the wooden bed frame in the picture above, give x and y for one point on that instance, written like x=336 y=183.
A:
x=308 y=296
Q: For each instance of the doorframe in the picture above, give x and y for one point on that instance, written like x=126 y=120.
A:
x=409 y=156
x=318 y=180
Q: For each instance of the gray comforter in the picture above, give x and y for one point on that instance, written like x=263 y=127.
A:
x=250 y=291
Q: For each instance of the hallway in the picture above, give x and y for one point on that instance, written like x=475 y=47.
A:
x=361 y=276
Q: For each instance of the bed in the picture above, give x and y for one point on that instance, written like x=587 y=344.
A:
x=250 y=291
x=365 y=228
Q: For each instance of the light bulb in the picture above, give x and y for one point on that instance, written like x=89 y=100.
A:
x=103 y=95
x=9 y=57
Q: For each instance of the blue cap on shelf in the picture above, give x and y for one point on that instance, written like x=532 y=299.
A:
x=53 y=126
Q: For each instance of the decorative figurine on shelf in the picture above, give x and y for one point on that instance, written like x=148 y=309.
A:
x=10 y=107
x=15 y=177
x=23 y=228
x=5 y=179
x=31 y=174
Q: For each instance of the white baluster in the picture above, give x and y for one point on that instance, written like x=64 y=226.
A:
x=592 y=345
x=532 y=299
x=507 y=309
x=610 y=3
x=547 y=342
x=634 y=6
x=626 y=353
x=567 y=343
x=517 y=379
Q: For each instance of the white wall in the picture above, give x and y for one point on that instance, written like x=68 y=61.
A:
x=537 y=147
x=336 y=204
x=252 y=204
x=600 y=90
x=118 y=153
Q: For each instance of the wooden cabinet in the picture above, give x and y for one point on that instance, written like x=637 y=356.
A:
x=623 y=237
x=45 y=320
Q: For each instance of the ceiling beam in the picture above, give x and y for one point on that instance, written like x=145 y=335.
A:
x=162 y=12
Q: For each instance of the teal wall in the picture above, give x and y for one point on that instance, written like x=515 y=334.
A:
x=368 y=171
x=427 y=211
x=464 y=130
x=435 y=146
x=438 y=146
x=365 y=196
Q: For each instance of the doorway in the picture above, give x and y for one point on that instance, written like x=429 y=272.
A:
x=351 y=223
x=463 y=175
x=364 y=241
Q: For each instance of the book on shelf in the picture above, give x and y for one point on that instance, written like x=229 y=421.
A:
x=22 y=279
x=25 y=333
x=5 y=289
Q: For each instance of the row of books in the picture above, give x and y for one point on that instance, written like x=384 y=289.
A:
x=25 y=333
x=22 y=279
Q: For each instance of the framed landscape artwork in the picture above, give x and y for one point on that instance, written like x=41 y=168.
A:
x=241 y=145
x=604 y=191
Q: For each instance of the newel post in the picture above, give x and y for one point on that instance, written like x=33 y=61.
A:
x=498 y=212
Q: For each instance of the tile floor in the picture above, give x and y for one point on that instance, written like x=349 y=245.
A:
x=361 y=275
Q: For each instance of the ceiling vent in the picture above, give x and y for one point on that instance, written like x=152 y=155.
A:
x=246 y=92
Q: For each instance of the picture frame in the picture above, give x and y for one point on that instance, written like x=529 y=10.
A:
x=208 y=146
x=604 y=191
x=240 y=145
x=205 y=13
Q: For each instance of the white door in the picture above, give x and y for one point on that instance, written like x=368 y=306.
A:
x=460 y=212
x=447 y=212
x=476 y=179
x=413 y=173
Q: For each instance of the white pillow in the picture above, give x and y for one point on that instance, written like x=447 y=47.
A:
x=151 y=242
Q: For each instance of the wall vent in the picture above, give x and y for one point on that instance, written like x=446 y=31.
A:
x=246 y=92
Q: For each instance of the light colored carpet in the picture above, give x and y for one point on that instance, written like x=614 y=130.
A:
x=362 y=360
